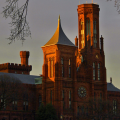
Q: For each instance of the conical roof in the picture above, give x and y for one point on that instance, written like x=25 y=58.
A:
x=59 y=37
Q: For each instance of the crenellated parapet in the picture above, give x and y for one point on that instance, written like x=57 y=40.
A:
x=16 y=67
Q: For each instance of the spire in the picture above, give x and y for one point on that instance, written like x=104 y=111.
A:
x=59 y=17
x=59 y=37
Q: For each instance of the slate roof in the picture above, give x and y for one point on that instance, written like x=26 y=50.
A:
x=59 y=37
x=111 y=87
x=26 y=79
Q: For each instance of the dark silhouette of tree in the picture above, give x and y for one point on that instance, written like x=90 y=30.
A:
x=11 y=90
x=20 y=28
x=98 y=109
x=47 y=112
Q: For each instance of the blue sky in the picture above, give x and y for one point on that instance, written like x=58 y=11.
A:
x=43 y=18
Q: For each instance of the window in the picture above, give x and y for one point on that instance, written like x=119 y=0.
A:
x=114 y=107
x=63 y=94
x=51 y=67
x=82 y=34
x=51 y=95
x=40 y=100
x=69 y=68
x=98 y=71
x=3 y=102
x=70 y=99
x=88 y=27
x=62 y=63
x=93 y=71
x=14 y=105
x=25 y=102
x=100 y=96
x=78 y=112
x=94 y=34
x=94 y=96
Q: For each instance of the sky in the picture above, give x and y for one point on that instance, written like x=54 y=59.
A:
x=43 y=18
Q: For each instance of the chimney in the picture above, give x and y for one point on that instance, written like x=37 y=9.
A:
x=76 y=41
x=24 y=57
x=111 y=80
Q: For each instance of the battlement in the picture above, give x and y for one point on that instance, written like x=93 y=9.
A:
x=15 y=66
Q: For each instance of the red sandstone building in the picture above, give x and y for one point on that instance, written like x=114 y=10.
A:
x=72 y=74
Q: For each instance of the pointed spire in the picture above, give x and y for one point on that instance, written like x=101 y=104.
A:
x=92 y=1
x=59 y=17
x=79 y=2
x=86 y=1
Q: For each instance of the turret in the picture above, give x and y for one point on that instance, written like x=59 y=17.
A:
x=101 y=41
x=76 y=41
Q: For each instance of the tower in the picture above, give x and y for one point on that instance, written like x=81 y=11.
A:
x=91 y=72
x=59 y=71
x=88 y=25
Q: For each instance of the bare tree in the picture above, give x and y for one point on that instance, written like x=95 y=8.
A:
x=117 y=5
x=20 y=28
x=11 y=90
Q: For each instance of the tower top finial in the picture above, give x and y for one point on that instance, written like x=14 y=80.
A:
x=86 y=1
x=79 y=2
x=59 y=17
x=92 y=1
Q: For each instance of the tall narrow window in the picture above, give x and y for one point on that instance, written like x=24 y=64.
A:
x=51 y=95
x=98 y=71
x=3 y=102
x=14 y=103
x=94 y=34
x=40 y=100
x=114 y=107
x=62 y=63
x=63 y=94
x=69 y=68
x=82 y=34
x=100 y=96
x=94 y=96
x=51 y=67
x=70 y=99
x=93 y=71
x=78 y=112
x=88 y=27
x=25 y=102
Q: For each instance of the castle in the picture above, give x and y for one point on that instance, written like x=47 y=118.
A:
x=72 y=73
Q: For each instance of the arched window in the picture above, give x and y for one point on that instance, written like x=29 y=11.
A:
x=98 y=71
x=93 y=71
x=94 y=34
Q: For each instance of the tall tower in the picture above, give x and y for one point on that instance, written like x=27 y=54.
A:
x=91 y=72
x=88 y=25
